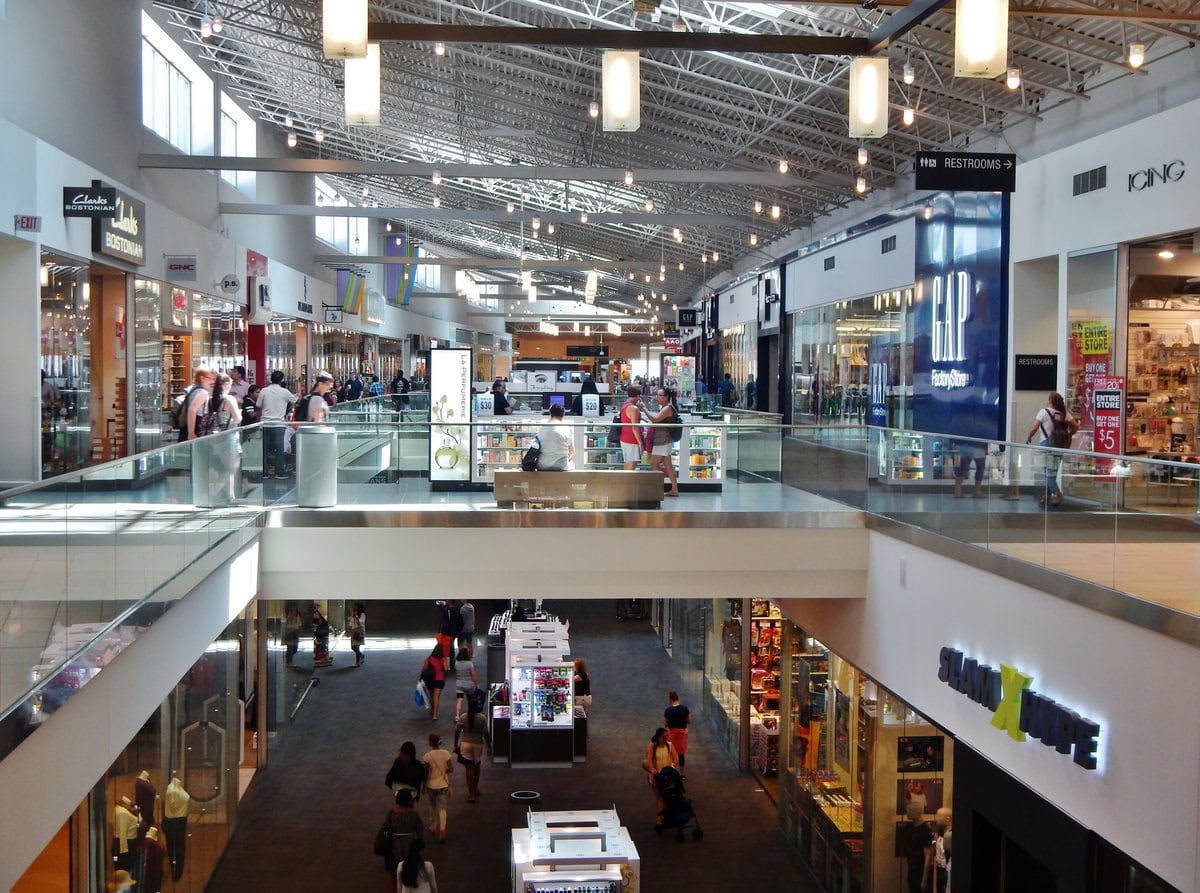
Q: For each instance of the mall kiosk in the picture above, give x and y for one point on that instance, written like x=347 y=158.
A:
x=577 y=851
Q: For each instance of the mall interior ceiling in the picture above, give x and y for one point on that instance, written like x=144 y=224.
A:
x=514 y=128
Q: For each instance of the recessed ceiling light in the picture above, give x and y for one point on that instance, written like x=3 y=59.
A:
x=1166 y=254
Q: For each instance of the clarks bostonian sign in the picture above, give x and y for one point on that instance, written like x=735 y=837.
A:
x=1018 y=709
x=123 y=235
x=89 y=201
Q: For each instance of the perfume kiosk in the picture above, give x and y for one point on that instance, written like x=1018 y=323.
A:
x=578 y=851
x=539 y=727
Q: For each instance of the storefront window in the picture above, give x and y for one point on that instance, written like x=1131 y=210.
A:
x=281 y=350
x=723 y=671
x=334 y=350
x=835 y=348
x=739 y=355
x=861 y=771
x=1091 y=317
x=218 y=333
x=66 y=354
x=151 y=357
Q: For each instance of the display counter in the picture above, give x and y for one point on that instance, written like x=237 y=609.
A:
x=542 y=719
x=577 y=851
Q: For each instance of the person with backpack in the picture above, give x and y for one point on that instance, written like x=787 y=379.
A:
x=274 y=402
x=667 y=430
x=1056 y=428
x=402 y=826
x=195 y=401
x=313 y=408
x=400 y=389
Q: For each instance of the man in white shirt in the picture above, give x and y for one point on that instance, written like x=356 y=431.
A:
x=273 y=404
x=240 y=386
x=557 y=442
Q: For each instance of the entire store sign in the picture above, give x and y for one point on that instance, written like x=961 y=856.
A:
x=1018 y=709
x=1108 y=399
x=450 y=414
x=1095 y=338
x=123 y=234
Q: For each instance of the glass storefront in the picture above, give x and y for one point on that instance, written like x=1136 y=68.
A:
x=337 y=351
x=836 y=346
x=739 y=355
x=66 y=364
x=282 y=336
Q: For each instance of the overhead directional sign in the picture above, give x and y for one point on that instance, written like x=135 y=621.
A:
x=966 y=171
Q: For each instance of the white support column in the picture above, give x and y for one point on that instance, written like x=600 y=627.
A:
x=20 y=460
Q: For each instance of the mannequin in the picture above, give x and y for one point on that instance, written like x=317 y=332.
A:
x=144 y=796
x=125 y=835
x=153 y=854
x=175 y=812
x=918 y=850
x=943 y=822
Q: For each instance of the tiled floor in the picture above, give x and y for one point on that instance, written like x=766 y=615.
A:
x=312 y=815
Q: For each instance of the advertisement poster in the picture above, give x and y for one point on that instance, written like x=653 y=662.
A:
x=960 y=311
x=921 y=753
x=679 y=372
x=926 y=791
x=841 y=730
x=1108 y=399
x=450 y=414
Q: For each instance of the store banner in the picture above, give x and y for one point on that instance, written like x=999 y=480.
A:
x=1107 y=401
x=122 y=235
x=959 y=342
x=375 y=304
x=450 y=414
x=89 y=201
x=878 y=384
x=398 y=286
x=351 y=290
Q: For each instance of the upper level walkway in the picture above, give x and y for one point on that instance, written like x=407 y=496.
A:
x=90 y=559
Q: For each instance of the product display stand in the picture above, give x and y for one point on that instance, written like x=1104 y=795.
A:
x=578 y=851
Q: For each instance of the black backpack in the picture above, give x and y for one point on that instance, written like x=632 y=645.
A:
x=529 y=461
x=178 y=413
x=301 y=412
x=208 y=423
x=675 y=429
x=1060 y=434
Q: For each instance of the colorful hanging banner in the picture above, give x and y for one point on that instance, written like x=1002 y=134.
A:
x=352 y=287
x=400 y=277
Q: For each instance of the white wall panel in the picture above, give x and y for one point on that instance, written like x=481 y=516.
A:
x=859 y=268
x=738 y=305
x=1132 y=681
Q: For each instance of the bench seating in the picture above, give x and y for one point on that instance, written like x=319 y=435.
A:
x=616 y=488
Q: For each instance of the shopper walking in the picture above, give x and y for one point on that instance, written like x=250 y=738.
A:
x=356 y=626
x=660 y=753
x=401 y=828
x=438 y=769
x=415 y=874
x=632 y=444
x=274 y=404
x=466 y=683
x=291 y=635
x=728 y=391
x=445 y=626
x=433 y=674
x=583 y=685
x=677 y=718
x=466 y=637
x=407 y=772
x=195 y=402
x=471 y=739
x=662 y=437
x=1055 y=427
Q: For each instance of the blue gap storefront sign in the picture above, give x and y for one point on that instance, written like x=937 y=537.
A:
x=961 y=307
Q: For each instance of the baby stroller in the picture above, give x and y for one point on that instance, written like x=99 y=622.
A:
x=677 y=809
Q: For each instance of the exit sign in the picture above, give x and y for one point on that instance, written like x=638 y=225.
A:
x=27 y=223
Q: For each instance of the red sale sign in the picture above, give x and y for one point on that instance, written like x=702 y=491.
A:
x=1108 y=400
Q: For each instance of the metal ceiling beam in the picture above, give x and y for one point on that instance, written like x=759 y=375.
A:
x=347 y=167
x=479 y=263
x=900 y=23
x=1143 y=14
x=472 y=214
x=612 y=39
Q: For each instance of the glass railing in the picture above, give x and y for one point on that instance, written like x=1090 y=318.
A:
x=88 y=556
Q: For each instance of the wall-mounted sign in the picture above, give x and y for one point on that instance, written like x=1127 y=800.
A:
x=1036 y=372
x=1017 y=709
x=966 y=171
x=27 y=223
x=231 y=284
x=450 y=414
x=180 y=267
x=1095 y=338
x=304 y=307
x=89 y=201
x=1147 y=178
x=123 y=234
x=586 y=350
x=333 y=316
x=260 y=295
x=686 y=318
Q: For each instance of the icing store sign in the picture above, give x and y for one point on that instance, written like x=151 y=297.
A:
x=951 y=310
x=1018 y=709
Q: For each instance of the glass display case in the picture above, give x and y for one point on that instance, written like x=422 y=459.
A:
x=501 y=445
x=542 y=696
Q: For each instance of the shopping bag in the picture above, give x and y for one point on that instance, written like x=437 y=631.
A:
x=419 y=694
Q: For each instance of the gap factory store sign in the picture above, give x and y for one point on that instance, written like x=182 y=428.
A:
x=1018 y=709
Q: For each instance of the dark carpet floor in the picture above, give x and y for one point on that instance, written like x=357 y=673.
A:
x=307 y=823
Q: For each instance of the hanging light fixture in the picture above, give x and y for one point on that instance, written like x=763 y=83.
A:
x=206 y=28
x=677 y=234
x=753 y=239
x=362 y=88
x=704 y=257
x=532 y=294
x=439 y=49
x=1013 y=80
x=614 y=329
x=365 y=192
x=593 y=109
x=1137 y=54
x=868 y=97
x=910 y=73
x=681 y=266
x=649 y=206
x=758 y=206
x=526 y=280
x=910 y=115
x=344 y=28
x=536 y=223
x=775 y=212
x=510 y=207
x=583 y=216
x=860 y=185
x=590 y=286
x=287 y=121
x=291 y=139
x=437 y=201
x=218 y=24
x=319 y=135
x=389 y=226
x=628 y=177
x=981 y=38
x=864 y=157
x=550 y=228
x=716 y=256
x=436 y=177
x=783 y=165
x=621 y=77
